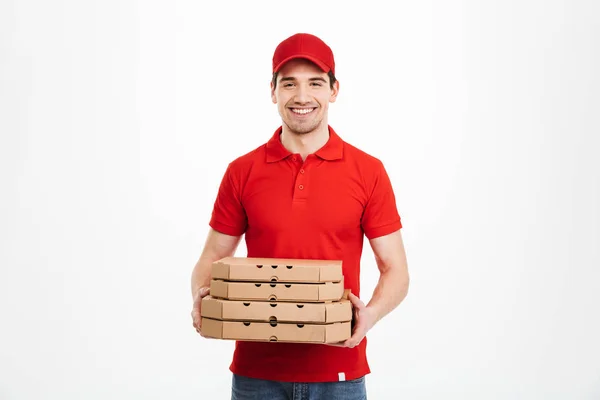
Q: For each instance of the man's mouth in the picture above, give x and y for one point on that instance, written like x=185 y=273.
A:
x=302 y=111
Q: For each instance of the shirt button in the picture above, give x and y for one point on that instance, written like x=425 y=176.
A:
x=301 y=171
x=293 y=158
x=300 y=187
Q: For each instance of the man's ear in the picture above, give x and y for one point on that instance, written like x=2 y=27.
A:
x=273 y=97
x=334 y=92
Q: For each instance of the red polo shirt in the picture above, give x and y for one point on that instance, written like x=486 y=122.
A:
x=320 y=208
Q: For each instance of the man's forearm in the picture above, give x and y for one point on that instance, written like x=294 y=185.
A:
x=217 y=246
x=390 y=291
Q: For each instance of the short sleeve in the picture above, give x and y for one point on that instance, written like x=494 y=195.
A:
x=228 y=215
x=380 y=216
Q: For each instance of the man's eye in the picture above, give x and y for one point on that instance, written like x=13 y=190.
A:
x=316 y=84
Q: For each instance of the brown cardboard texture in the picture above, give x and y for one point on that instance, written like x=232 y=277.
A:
x=271 y=291
x=277 y=270
x=275 y=332
x=262 y=311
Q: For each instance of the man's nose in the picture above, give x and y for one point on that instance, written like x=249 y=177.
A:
x=302 y=95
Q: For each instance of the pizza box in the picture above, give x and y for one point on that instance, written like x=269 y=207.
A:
x=277 y=291
x=239 y=310
x=275 y=331
x=277 y=270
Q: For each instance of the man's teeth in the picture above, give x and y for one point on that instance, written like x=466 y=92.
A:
x=302 y=110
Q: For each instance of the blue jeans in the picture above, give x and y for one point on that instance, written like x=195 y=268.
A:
x=244 y=388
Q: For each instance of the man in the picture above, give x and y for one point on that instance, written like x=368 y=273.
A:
x=306 y=193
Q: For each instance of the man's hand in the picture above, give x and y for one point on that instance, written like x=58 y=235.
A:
x=196 y=315
x=364 y=318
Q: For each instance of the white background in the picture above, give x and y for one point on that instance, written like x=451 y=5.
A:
x=117 y=120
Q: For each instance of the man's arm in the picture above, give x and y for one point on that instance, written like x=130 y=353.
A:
x=218 y=245
x=393 y=283
x=391 y=289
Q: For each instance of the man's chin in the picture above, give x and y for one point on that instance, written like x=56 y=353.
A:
x=302 y=129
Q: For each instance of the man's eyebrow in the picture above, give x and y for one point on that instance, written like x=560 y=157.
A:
x=291 y=78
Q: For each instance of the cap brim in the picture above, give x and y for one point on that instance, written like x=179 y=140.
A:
x=315 y=60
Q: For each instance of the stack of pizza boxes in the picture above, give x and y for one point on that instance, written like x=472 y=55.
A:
x=277 y=300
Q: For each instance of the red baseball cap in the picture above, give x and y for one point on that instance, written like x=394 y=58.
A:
x=304 y=45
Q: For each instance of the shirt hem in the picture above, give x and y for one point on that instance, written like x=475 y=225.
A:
x=372 y=233
x=226 y=229
x=299 y=376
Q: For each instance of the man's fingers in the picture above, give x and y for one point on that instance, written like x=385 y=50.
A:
x=356 y=337
x=196 y=314
x=202 y=292
x=336 y=344
x=356 y=302
x=354 y=341
x=198 y=325
x=196 y=318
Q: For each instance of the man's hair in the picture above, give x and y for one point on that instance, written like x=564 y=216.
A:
x=330 y=74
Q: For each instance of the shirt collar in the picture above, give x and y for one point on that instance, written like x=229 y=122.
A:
x=332 y=150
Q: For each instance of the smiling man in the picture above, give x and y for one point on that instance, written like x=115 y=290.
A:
x=306 y=193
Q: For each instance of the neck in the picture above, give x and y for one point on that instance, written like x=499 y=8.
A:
x=305 y=143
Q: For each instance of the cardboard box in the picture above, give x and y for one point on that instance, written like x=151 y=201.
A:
x=277 y=270
x=276 y=332
x=236 y=310
x=277 y=291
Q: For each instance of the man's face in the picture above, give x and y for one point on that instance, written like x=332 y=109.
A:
x=302 y=95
